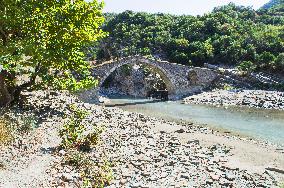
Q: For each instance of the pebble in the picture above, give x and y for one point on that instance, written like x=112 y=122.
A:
x=67 y=177
x=230 y=176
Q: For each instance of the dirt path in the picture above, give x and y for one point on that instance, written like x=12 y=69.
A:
x=27 y=163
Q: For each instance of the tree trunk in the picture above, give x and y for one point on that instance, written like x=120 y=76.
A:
x=5 y=96
x=10 y=95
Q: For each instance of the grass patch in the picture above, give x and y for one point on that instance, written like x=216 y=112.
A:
x=228 y=87
x=27 y=124
x=2 y=166
x=14 y=123
x=5 y=132
x=22 y=122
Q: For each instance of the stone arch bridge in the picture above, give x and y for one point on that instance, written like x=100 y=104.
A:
x=180 y=80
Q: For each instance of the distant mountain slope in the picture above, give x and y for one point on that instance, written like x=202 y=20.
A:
x=272 y=3
x=272 y=13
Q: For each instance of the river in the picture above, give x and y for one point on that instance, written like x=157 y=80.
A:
x=256 y=123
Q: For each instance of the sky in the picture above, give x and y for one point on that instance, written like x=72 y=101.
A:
x=188 y=7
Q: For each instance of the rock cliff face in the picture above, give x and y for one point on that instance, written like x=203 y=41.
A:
x=137 y=81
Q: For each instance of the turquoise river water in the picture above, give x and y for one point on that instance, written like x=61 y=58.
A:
x=256 y=123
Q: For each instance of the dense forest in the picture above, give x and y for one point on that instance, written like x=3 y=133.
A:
x=230 y=35
x=272 y=3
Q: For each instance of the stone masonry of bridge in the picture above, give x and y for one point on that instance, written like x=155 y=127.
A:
x=180 y=80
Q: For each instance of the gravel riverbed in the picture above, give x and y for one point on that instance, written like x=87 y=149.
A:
x=143 y=151
x=250 y=98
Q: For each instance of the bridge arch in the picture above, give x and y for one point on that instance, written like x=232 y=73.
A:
x=180 y=80
x=144 y=61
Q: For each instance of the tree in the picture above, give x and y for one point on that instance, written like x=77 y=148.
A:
x=246 y=66
x=229 y=35
x=266 y=60
x=43 y=42
x=279 y=62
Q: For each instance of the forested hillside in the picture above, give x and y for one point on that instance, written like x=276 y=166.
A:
x=229 y=35
x=272 y=12
x=272 y=3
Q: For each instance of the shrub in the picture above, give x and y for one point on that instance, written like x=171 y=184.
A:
x=21 y=122
x=266 y=60
x=13 y=123
x=278 y=87
x=27 y=123
x=280 y=62
x=228 y=87
x=78 y=140
x=2 y=166
x=93 y=173
x=75 y=158
x=126 y=70
x=246 y=66
x=97 y=175
x=74 y=131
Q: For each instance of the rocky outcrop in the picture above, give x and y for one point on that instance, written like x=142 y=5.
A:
x=249 y=98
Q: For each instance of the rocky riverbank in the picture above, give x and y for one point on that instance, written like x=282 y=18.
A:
x=142 y=151
x=249 y=98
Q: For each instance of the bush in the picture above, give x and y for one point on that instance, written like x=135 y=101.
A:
x=246 y=66
x=278 y=87
x=74 y=131
x=228 y=87
x=21 y=122
x=94 y=174
x=28 y=123
x=266 y=60
x=280 y=62
x=13 y=123
x=78 y=140
x=97 y=175
x=126 y=70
